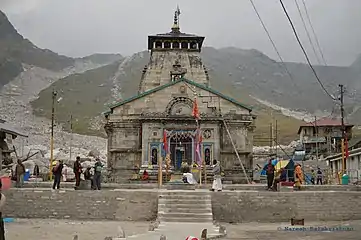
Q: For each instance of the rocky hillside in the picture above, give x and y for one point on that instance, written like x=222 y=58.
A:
x=15 y=51
x=247 y=75
x=124 y=77
x=25 y=70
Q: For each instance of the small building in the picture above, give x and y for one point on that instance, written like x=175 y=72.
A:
x=353 y=163
x=325 y=134
x=7 y=134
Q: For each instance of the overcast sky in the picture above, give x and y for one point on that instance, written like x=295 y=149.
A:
x=83 y=27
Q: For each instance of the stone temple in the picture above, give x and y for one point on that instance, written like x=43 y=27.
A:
x=173 y=78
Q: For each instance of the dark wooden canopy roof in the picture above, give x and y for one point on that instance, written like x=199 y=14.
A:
x=175 y=36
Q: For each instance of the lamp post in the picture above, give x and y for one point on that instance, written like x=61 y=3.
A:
x=54 y=94
x=71 y=136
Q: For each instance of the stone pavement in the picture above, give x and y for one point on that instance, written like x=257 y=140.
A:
x=270 y=231
x=177 y=231
x=35 y=229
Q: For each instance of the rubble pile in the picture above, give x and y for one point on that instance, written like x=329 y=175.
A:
x=15 y=98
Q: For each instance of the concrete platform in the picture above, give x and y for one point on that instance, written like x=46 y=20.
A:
x=229 y=187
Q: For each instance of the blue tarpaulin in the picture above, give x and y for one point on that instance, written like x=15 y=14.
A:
x=289 y=167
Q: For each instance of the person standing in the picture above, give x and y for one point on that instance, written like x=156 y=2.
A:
x=2 y=204
x=217 y=181
x=57 y=171
x=98 y=167
x=298 y=176
x=77 y=171
x=19 y=171
x=319 y=176
x=270 y=172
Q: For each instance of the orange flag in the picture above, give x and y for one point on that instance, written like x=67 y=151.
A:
x=195 y=111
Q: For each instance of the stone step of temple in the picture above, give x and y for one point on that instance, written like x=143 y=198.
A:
x=181 y=193
x=186 y=210
x=179 y=186
x=184 y=196
x=189 y=201
x=199 y=216
x=181 y=206
x=185 y=206
x=186 y=219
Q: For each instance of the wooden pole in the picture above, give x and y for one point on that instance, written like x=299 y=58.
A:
x=160 y=173
x=52 y=135
x=343 y=155
x=316 y=131
x=1 y=159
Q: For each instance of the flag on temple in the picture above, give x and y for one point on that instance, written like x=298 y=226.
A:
x=195 y=112
x=178 y=11
x=165 y=144
x=347 y=153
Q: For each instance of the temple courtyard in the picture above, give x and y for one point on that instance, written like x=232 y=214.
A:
x=98 y=230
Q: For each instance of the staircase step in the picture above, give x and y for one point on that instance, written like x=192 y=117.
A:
x=182 y=196
x=184 y=193
x=188 y=206
x=185 y=215
x=188 y=219
x=185 y=210
x=185 y=201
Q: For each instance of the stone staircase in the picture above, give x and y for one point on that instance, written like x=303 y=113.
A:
x=185 y=206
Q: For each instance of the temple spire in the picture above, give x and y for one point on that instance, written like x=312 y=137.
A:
x=176 y=27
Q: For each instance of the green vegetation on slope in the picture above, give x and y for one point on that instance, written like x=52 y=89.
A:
x=83 y=96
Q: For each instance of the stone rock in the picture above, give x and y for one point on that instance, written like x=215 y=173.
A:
x=75 y=237
x=121 y=233
x=222 y=229
x=94 y=153
x=204 y=234
x=151 y=227
x=108 y=238
x=162 y=237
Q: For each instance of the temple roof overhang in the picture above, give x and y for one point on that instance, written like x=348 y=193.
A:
x=190 y=82
x=175 y=36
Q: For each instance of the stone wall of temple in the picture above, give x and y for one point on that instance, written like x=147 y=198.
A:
x=141 y=205
x=313 y=206
x=124 y=148
x=161 y=63
x=82 y=205
x=158 y=102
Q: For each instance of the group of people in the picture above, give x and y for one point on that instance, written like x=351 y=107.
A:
x=318 y=176
x=275 y=177
x=92 y=174
x=217 y=176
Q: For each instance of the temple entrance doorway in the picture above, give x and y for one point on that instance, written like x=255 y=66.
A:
x=181 y=149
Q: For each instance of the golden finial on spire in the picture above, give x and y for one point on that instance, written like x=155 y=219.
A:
x=176 y=27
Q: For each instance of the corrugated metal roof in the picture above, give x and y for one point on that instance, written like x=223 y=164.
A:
x=325 y=122
x=7 y=128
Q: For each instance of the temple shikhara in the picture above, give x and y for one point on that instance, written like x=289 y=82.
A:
x=176 y=112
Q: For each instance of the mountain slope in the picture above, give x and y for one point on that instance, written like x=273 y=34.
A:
x=15 y=51
x=100 y=82
x=266 y=79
